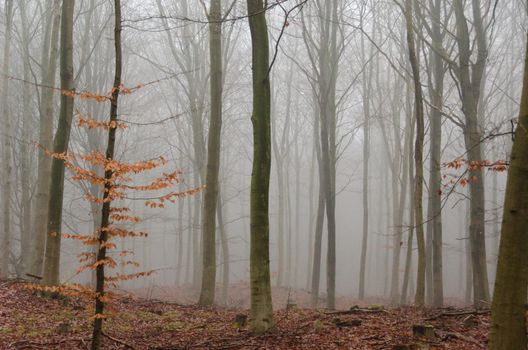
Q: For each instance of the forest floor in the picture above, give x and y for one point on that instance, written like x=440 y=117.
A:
x=28 y=321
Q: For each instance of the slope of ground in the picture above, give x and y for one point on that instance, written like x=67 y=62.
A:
x=28 y=321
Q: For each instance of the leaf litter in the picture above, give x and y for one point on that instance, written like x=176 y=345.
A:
x=31 y=321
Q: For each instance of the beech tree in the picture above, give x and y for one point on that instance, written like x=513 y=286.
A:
x=211 y=197
x=508 y=321
x=418 y=154
x=260 y=281
x=51 y=273
x=6 y=154
x=50 y=55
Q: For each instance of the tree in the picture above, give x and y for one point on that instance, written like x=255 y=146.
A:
x=260 y=280
x=508 y=323
x=60 y=145
x=435 y=182
x=109 y=184
x=418 y=154
x=213 y=156
x=6 y=155
x=366 y=86
x=50 y=55
x=470 y=76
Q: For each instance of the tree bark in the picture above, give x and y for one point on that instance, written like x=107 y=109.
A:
x=418 y=155
x=435 y=184
x=6 y=159
x=105 y=211
x=24 y=156
x=470 y=76
x=508 y=323
x=50 y=56
x=260 y=281
x=60 y=145
x=224 y=241
x=366 y=87
x=319 y=219
x=207 y=293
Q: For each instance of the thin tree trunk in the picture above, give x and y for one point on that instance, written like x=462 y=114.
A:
x=196 y=246
x=105 y=211
x=311 y=219
x=224 y=241
x=6 y=161
x=25 y=167
x=297 y=211
x=418 y=155
x=410 y=169
x=366 y=86
x=319 y=220
x=190 y=243
x=435 y=185
x=179 y=244
x=408 y=255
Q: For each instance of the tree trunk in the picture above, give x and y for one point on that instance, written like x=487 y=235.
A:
x=50 y=56
x=311 y=219
x=24 y=162
x=260 y=281
x=410 y=176
x=366 y=87
x=179 y=244
x=418 y=155
x=6 y=159
x=408 y=254
x=224 y=241
x=508 y=323
x=319 y=219
x=435 y=185
x=105 y=211
x=470 y=76
x=213 y=156
x=60 y=145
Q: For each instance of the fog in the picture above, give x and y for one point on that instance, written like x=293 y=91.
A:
x=340 y=62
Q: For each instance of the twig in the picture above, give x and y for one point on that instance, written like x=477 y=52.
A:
x=128 y=346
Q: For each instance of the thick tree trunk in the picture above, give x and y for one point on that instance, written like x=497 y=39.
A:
x=213 y=156
x=508 y=323
x=470 y=77
x=260 y=281
x=60 y=145
x=50 y=56
x=327 y=90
